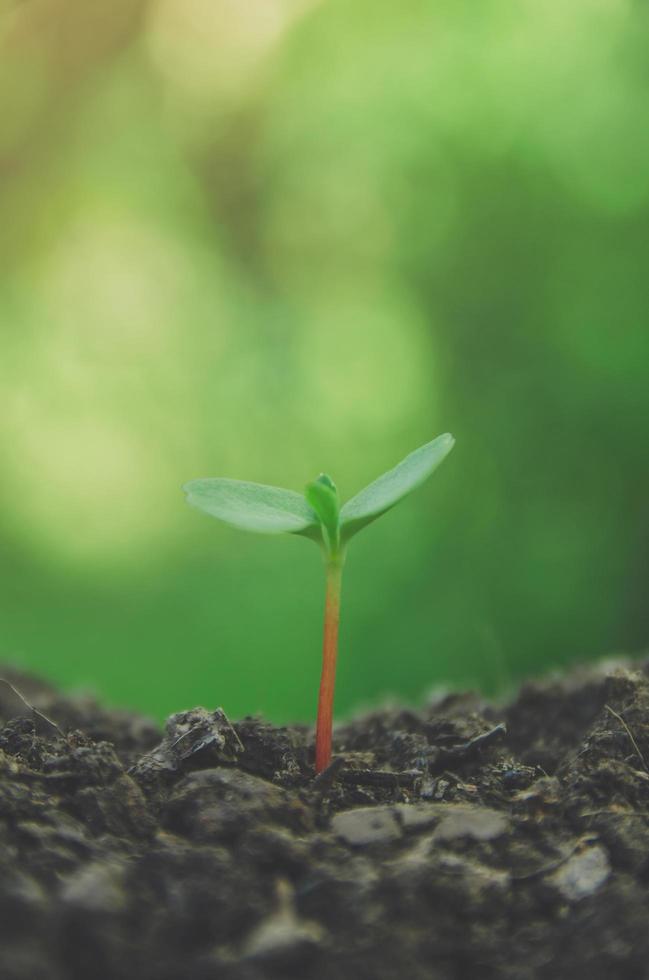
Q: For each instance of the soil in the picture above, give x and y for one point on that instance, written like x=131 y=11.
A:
x=463 y=840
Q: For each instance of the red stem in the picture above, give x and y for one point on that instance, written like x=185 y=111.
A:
x=328 y=677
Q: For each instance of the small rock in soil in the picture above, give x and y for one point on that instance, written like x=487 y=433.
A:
x=582 y=874
x=480 y=823
x=367 y=825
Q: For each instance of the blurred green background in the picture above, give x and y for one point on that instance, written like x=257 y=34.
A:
x=268 y=238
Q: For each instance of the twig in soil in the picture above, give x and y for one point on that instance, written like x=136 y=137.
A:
x=630 y=734
x=325 y=779
x=479 y=741
x=64 y=778
x=466 y=750
x=618 y=814
x=364 y=777
x=20 y=707
x=223 y=718
x=408 y=778
x=553 y=865
x=380 y=777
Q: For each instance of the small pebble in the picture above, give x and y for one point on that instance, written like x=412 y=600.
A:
x=367 y=825
x=583 y=874
x=477 y=822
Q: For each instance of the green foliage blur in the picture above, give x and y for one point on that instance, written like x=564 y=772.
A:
x=264 y=240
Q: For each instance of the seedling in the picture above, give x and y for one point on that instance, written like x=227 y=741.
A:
x=318 y=515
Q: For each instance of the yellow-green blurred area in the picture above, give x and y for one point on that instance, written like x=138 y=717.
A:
x=269 y=238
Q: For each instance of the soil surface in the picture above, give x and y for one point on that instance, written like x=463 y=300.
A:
x=466 y=840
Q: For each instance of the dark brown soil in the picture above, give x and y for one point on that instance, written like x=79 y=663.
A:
x=462 y=841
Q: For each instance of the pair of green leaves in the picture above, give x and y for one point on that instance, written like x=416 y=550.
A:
x=316 y=514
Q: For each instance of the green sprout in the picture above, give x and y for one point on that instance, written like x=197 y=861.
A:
x=318 y=515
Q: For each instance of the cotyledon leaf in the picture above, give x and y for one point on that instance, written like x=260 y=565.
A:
x=253 y=506
x=392 y=486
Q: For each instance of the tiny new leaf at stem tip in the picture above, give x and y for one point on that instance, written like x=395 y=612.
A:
x=322 y=496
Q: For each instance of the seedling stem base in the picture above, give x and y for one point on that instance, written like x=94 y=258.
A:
x=329 y=658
